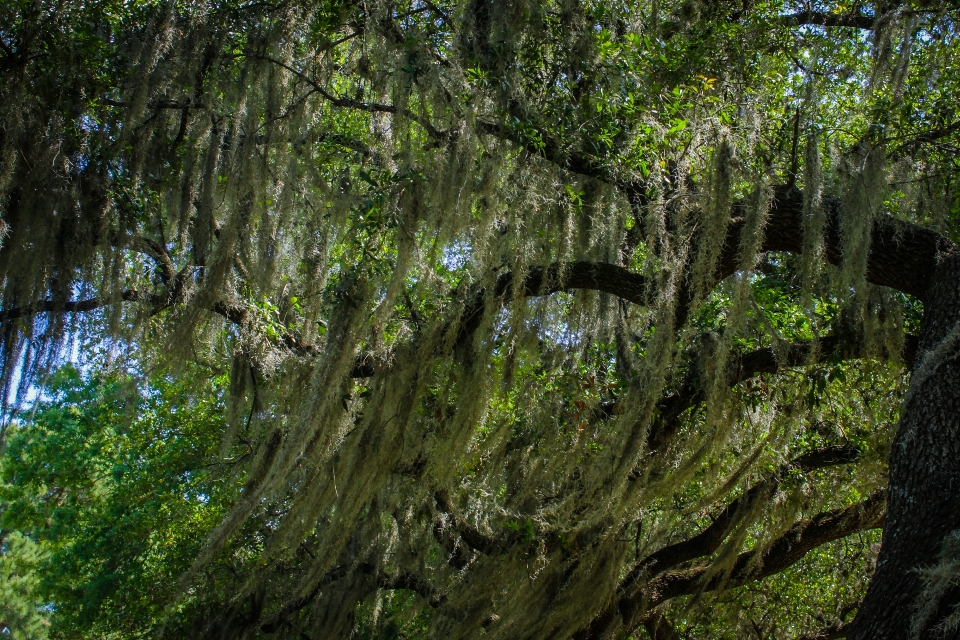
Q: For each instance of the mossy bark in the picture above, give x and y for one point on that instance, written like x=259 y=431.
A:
x=924 y=498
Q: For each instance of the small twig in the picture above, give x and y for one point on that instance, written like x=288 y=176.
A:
x=356 y=104
x=443 y=14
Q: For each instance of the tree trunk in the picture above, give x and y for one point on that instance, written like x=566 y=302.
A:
x=924 y=489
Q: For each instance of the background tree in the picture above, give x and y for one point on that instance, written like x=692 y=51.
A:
x=113 y=479
x=546 y=320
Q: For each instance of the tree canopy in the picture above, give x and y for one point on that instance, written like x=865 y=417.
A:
x=571 y=319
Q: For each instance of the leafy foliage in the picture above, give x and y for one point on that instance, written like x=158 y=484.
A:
x=108 y=488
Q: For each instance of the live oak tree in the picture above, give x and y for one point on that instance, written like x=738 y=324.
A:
x=564 y=319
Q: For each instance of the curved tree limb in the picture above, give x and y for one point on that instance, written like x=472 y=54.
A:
x=902 y=255
x=749 y=566
x=709 y=540
x=559 y=276
x=757 y=564
x=73 y=306
x=824 y=19
x=661 y=561
x=142 y=244
x=152 y=248
x=470 y=535
x=764 y=360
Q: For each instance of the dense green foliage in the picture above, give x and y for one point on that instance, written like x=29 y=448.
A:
x=114 y=483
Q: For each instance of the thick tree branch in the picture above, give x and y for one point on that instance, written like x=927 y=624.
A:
x=415 y=583
x=73 y=306
x=559 y=276
x=347 y=103
x=764 y=360
x=797 y=354
x=760 y=563
x=597 y=276
x=756 y=564
x=710 y=539
x=902 y=255
x=232 y=312
x=823 y=19
x=448 y=526
x=470 y=535
x=168 y=273
x=451 y=526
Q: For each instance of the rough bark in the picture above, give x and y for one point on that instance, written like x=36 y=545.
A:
x=924 y=469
